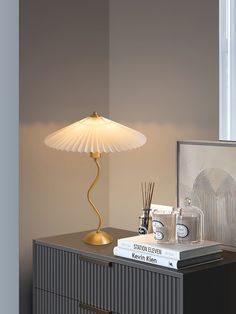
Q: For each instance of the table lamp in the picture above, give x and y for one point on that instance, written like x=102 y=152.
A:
x=95 y=135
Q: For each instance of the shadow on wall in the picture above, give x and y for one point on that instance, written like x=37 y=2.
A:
x=53 y=187
x=63 y=59
x=63 y=78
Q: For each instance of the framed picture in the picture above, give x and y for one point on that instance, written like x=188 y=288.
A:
x=206 y=172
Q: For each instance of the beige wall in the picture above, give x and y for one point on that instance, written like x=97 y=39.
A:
x=163 y=82
x=63 y=77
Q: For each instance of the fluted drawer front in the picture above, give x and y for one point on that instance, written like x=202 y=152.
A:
x=96 y=284
x=74 y=276
x=56 y=271
x=50 y=303
x=112 y=287
x=138 y=291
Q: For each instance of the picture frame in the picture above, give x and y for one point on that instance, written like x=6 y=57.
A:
x=206 y=173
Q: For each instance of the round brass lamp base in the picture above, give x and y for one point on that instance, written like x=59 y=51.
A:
x=98 y=238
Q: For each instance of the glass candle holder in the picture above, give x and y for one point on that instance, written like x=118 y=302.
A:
x=189 y=223
x=164 y=225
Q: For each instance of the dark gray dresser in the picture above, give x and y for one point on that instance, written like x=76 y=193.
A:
x=70 y=277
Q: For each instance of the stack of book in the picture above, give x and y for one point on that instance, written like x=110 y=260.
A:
x=145 y=248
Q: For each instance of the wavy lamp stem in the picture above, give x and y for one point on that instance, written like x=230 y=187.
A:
x=97 y=237
x=91 y=187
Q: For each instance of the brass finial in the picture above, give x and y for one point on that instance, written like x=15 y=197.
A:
x=95 y=115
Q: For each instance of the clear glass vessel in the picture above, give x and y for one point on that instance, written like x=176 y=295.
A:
x=145 y=225
x=164 y=225
x=189 y=223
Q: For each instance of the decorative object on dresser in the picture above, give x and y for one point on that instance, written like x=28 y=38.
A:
x=70 y=277
x=166 y=261
x=189 y=223
x=145 y=225
x=164 y=223
x=145 y=248
x=95 y=135
x=206 y=173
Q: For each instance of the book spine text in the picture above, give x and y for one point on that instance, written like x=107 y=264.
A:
x=148 y=249
x=145 y=257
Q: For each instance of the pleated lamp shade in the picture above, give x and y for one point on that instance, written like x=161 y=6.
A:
x=95 y=134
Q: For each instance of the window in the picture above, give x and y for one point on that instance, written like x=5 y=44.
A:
x=227 y=49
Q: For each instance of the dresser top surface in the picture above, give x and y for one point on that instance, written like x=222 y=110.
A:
x=74 y=242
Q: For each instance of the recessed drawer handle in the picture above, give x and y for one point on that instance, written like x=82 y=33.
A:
x=94 y=309
x=95 y=261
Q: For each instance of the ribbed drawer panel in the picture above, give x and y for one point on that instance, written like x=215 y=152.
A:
x=64 y=273
x=56 y=271
x=96 y=285
x=120 y=288
x=50 y=303
x=138 y=291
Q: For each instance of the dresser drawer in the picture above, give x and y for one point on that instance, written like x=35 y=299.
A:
x=75 y=276
x=110 y=286
x=140 y=291
x=51 y=303
x=57 y=271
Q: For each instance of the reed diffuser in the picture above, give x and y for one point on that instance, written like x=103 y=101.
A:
x=147 y=194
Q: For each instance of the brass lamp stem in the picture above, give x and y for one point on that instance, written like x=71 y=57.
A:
x=97 y=237
x=95 y=157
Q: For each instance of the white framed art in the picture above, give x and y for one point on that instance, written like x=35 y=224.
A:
x=206 y=172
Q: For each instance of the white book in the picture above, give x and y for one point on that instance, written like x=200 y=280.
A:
x=165 y=261
x=147 y=244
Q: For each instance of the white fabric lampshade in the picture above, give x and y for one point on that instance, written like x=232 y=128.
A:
x=95 y=134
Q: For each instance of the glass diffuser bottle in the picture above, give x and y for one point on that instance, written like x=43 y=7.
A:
x=189 y=223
